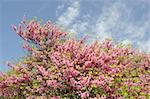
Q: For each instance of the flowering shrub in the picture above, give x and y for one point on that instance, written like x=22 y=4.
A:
x=60 y=67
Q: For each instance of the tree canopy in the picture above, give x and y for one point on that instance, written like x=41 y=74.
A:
x=61 y=67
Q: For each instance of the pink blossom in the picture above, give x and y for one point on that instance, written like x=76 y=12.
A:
x=58 y=65
x=27 y=47
x=55 y=97
x=52 y=83
x=84 y=95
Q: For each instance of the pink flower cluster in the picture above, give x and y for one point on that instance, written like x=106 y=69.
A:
x=58 y=67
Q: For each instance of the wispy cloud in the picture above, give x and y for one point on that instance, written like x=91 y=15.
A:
x=144 y=45
x=115 y=22
x=108 y=19
x=69 y=15
x=119 y=20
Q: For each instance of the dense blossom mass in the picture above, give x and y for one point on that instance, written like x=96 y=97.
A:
x=58 y=67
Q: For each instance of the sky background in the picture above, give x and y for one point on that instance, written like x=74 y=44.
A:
x=127 y=21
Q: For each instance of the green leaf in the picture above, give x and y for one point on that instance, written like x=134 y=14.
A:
x=33 y=70
x=46 y=78
x=137 y=88
x=35 y=85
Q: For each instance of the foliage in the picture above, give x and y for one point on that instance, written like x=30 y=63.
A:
x=60 y=67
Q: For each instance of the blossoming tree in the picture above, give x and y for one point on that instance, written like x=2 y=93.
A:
x=58 y=67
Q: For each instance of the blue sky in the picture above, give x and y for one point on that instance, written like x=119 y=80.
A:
x=123 y=20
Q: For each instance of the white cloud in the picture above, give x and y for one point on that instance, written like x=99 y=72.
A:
x=108 y=19
x=126 y=42
x=69 y=16
x=59 y=9
x=115 y=21
x=144 y=45
x=136 y=31
x=111 y=24
x=79 y=27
